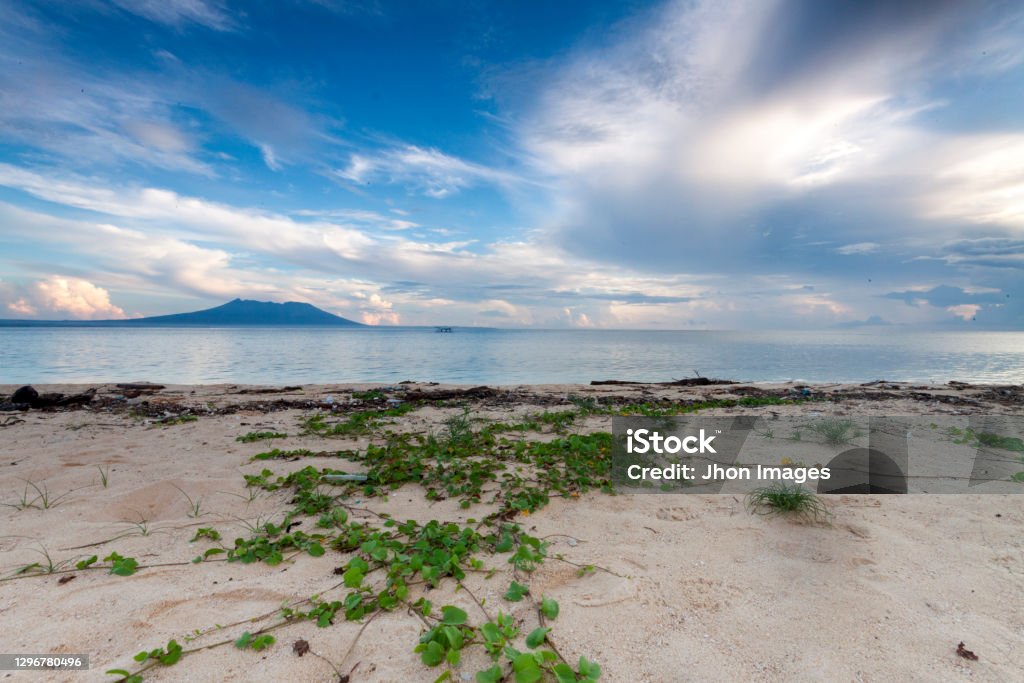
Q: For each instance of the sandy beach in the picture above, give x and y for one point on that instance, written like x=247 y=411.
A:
x=651 y=587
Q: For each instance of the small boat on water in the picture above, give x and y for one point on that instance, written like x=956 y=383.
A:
x=442 y=329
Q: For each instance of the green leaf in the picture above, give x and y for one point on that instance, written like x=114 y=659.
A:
x=453 y=616
x=243 y=640
x=433 y=654
x=516 y=591
x=444 y=677
x=549 y=608
x=353 y=578
x=563 y=673
x=453 y=657
x=504 y=544
x=491 y=633
x=454 y=636
x=537 y=637
x=124 y=569
x=492 y=675
x=589 y=670
x=315 y=550
x=85 y=563
x=126 y=676
x=122 y=566
x=172 y=655
x=211 y=552
x=526 y=669
x=262 y=642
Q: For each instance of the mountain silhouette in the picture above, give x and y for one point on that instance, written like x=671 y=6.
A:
x=233 y=313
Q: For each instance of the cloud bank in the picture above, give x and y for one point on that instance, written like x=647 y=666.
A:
x=705 y=164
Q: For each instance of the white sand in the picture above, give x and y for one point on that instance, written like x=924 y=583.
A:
x=692 y=587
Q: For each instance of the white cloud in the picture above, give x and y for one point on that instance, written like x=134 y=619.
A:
x=93 y=116
x=358 y=170
x=691 y=130
x=430 y=171
x=964 y=311
x=58 y=295
x=360 y=216
x=858 y=248
x=377 y=311
x=160 y=136
x=21 y=307
x=269 y=158
x=979 y=178
x=210 y=14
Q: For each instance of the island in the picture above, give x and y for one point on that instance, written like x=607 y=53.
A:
x=239 y=312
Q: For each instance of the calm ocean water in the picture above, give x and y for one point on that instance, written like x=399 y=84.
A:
x=478 y=356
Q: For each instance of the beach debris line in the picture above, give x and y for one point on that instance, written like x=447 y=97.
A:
x=449 y=394
x=689 y=382
x=141 y=386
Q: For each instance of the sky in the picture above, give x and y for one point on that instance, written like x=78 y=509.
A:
x=731 y=164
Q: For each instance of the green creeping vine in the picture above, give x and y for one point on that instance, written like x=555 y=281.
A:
x=278 y=454
x=444 y=642
x=356 y=423
x=388 y=560
x=258 y=643
x=521 y=474
x=121 y=566
x=252 y=437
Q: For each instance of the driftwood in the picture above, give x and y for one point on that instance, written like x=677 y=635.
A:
x=64 y=400
x=281 y=390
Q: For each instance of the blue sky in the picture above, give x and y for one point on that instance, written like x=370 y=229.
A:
x=728 y=164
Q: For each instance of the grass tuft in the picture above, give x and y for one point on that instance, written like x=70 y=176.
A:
x=787 y=499
x=836 y=432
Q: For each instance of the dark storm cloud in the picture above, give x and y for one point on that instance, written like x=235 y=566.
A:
x=807 y=38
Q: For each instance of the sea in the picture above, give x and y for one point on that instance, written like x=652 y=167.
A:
x=305 y=355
